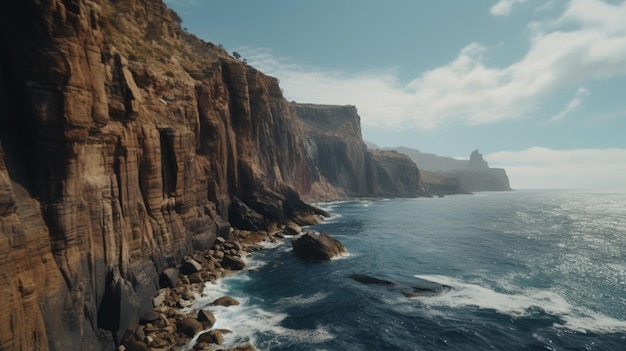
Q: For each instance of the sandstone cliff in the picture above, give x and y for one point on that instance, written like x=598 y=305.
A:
x=125 y=143
x=335 y=145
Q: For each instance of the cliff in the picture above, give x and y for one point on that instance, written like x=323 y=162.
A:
x=125 y=143
x=446 y=175
x=478 y=176
x=336 y=147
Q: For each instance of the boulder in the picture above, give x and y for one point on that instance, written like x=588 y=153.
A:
x=211 y=337
x=233 y=263
x=191 y=266
x=225 y=301
x=168 y=278
x=292 y=229
x=195 y=278
x=148 y=317
x=317 y=246
x=190 y=326
x=159 y=299
x=207 y=318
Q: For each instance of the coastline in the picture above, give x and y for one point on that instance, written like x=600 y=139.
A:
x=173 y=323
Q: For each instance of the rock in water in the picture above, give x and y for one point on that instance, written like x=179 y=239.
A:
x=418 y=288
x=225 y=301
x=317 y=246
x=211 y=337
x=207 y=318
x=190 y=327
x=233 y=263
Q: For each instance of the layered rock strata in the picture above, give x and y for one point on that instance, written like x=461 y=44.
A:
x=123 y=150
x=335 y=144
x=126 y=143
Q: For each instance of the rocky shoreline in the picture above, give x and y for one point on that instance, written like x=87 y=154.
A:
x=167 y=326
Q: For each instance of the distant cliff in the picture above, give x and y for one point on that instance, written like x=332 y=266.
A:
x=478 y=176
x=125 y=143
x=335 y=144
x=447 y=175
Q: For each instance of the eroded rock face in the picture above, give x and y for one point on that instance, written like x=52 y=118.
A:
x=335 y=145
x=125 y=143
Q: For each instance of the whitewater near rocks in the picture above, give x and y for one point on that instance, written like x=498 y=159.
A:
x=526 y=270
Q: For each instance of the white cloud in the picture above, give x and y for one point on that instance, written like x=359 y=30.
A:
x=503 y=7
x=537 y=167
x=586 y=42
x=572 y=105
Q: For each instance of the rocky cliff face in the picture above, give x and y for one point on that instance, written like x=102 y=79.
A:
x=124 y=144
x=478 y=176
x=446 y=175
x=335 y=145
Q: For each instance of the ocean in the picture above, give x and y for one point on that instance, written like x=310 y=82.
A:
x=528 y=270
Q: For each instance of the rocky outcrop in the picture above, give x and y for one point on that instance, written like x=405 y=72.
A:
x=441 y=183
x=334 y=143
x=446 y=175
x=319 y=246
x=415 y=288
x=478 y=176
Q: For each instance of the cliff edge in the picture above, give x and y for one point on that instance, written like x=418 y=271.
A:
x=335 y=145
x=447 y=175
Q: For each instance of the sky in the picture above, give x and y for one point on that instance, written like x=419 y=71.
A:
x=538 y=86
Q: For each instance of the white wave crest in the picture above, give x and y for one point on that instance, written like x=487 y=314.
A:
x=523 y=303
x=248 y=320
x=301 y=299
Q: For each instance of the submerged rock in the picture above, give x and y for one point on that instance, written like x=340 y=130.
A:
x=317 y=246
x=419 y=288
x=425 y=288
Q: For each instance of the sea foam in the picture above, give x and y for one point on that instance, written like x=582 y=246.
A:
x=524 y=302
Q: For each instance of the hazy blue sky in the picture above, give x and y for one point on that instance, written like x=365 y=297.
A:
x=538 y=86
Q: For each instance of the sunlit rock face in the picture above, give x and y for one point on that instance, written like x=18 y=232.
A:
x=125 y=143
x=334 y=143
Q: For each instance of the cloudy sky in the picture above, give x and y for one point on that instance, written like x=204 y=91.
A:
x=539 y=86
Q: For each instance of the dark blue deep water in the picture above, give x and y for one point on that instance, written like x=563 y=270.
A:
x=528 y=271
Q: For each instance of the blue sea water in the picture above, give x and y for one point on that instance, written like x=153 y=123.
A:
x=529 y=270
